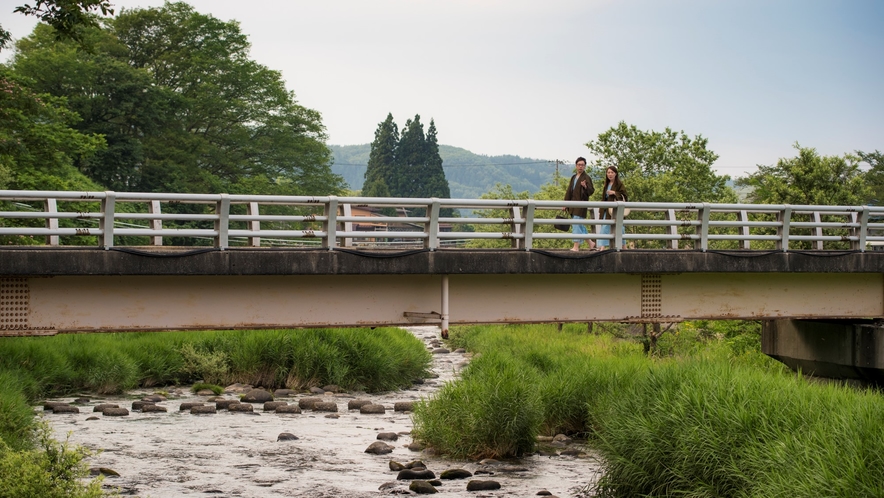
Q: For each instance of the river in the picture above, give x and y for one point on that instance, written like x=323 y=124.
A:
x=226 y=454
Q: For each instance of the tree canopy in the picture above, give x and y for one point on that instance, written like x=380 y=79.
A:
x=665 y=166
x=182 y=106
x=406 y=165
x=809 y=178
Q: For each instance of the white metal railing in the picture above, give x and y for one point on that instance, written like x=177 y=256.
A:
x=336 y=222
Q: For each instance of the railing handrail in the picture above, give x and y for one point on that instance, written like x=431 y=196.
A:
x=335 y=224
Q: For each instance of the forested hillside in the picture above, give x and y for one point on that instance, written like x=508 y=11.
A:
x=469 y=175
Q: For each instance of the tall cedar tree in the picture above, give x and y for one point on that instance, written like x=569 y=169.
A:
x=382 y=159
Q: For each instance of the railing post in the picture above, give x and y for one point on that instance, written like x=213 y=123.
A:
x=347 y=211
x=154 y=208
x=432 y=227
x=784 y=217
x=516 y=227
x=673 y=228
x=106 y=223
x=618 y=227
x=863 y=229
x=703 y=216
x=254 y=225
x=51 y=206
x=744 y=217
x=529 y=225
x=331 y=223
x=818 y=230
x=222 y=223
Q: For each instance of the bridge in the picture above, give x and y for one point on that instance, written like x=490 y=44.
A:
x=122 y=261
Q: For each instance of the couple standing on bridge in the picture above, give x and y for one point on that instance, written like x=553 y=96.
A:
x=580 y=188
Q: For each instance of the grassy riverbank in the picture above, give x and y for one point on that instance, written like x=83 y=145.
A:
x=35 y=368
x=709 y=415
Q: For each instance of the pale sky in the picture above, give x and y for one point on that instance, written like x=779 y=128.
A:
x=539 y=79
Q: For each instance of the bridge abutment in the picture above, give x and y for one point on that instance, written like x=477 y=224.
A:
x=838 y=349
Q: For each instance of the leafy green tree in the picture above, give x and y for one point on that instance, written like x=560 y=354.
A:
x=418 y=169
x=809 y=178
x=665 y=166
x=183 y=107
x=875 y=175
x=38 y=145
x=69 y=18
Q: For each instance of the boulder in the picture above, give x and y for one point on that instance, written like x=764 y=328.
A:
x=455 y=474
x=273 y=405
x=422 y=487
x=202 y=409
x=379 y=448
x=388 y=436
x=307 y=403
x=325 y=406
x=288 y=409
x=355 y=404
x=153 y=409
x=257 y=396
x=477 y=485
x=286 y=436
x=403 y=406
x=115 y=412
x=102 y=406
x=410 y=474
x=372 y=409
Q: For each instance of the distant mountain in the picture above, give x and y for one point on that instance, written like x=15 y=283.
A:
x=469 y=175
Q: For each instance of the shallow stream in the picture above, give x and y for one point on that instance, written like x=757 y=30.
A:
x=228 y=454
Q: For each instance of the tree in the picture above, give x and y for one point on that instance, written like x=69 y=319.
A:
x=38 y=145
x=183 y=107
x=663 y=166
x=809 y=178
x=875 y=175
x=69 y=18
x=435 y=184
x=382 y=159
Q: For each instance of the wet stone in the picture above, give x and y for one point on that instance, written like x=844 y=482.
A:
x=152 y=409
x=284 y=392
x=422 y=487
x=441 y=351
x=286 y=436
x=81 y=401
x=66 y=409
x=317 y=390
x=307 y=403
x=331 y=388
x=379 y=448
x=355 y=404
x=138 y=405
x=409 y=474
x=403 y=406
x=92 y=418
x=544 y=492
x=455 y=474
x=372 y=409
x=388 y=436
x=115 y=412
x=460 y=350
x=273 y=405
x=188 y=405
x=333 y=415
x=154 y=398
x=104 y=471
x=396 y=466
x=482 y=485
x=240 y=407
x=257 y=396
x=288 y=409
x=102 y=406
x=202 y=409
x=325 y=406
x=224 y=404
x=205 y=392
x=415 y=446
x=49 y=405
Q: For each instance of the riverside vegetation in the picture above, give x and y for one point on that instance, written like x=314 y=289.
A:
x=33 y=368
x=706 y=415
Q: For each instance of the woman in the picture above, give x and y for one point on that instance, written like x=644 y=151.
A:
x=613 y=191
x=579 y=189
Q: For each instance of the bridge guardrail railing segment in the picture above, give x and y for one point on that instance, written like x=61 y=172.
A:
x=110 y=218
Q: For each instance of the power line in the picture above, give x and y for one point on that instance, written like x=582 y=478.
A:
x=462 y=165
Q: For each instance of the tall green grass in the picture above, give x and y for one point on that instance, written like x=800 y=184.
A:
x=706 y=416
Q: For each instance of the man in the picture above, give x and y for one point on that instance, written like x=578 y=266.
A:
x=579 y=189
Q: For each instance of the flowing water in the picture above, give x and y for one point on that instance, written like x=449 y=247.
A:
x=238 y=455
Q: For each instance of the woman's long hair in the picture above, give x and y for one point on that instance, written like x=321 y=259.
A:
x=616 y=185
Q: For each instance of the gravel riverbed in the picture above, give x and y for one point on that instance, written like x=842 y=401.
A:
x=235 y=454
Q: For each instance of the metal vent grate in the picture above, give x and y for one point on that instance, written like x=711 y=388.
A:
x=15 y=298
x=652 y=296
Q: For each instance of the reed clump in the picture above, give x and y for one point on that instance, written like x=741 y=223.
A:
x=706 y=415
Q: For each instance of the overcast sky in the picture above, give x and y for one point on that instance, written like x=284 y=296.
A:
x=539 y=79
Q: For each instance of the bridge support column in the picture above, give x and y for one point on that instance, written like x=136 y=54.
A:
x=444 y=324
x=838 y=349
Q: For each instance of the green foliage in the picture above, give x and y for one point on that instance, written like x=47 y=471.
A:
x=665 y=166
x=874 y=176
x=209 y=366
x=182 y=107
x=69 y=18
x=38 y=144
x=51 y=470
x=809 y=178
x=17 y=424
x=199 y=386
